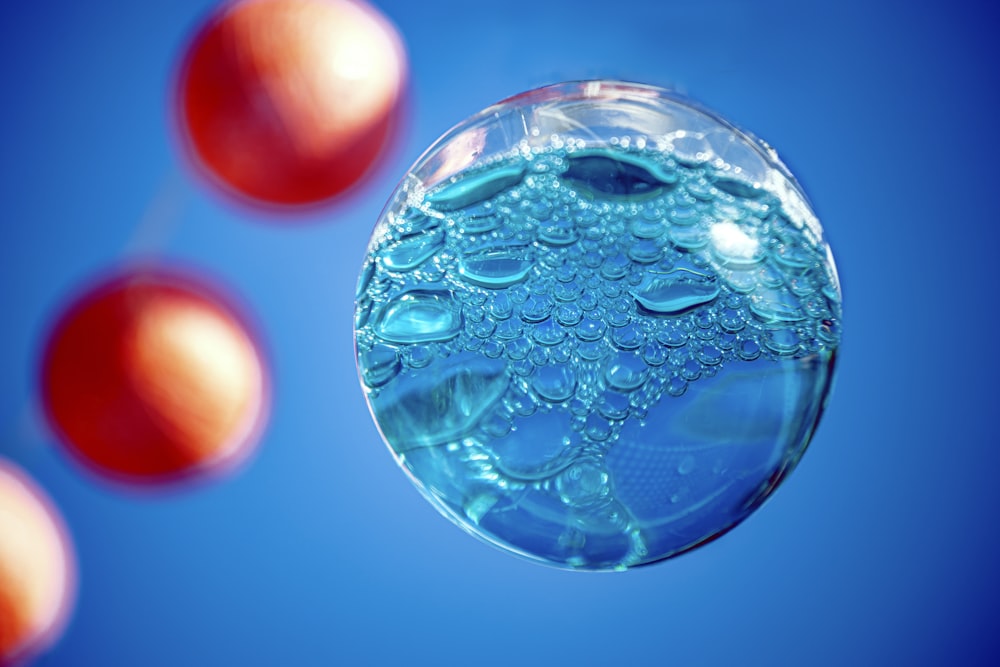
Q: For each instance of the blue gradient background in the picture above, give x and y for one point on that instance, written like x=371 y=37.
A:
x=881 y=549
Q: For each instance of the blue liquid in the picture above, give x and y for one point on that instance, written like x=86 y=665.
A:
x=597 y=358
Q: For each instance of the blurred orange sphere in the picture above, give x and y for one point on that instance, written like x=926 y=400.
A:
x=150 y=377
x=37 y=569
x=291 y=102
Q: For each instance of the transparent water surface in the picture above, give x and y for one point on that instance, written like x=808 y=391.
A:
x=597 y=325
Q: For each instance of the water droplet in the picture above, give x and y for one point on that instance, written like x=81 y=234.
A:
x=646 y=228
x=592 y=350
x=782 y=341
x=686 y=465
x=365 y=279
x=418 y=356
x=731 y=320
x=775 y=305
x=597 y=428
x=475 y=188
x=676 y=386
x=379 y=364
x=419 y=316
x=569 y=314
x=501 y=308
x=546 y=454
x=684 y=215
x=616 y=174
x=676 y=291
x=748 y=350
x=537 y=308
x=478 y=219
x=413 y=251
x=626 y=371
x=548 y=333
x=615 y=267
x=793 y=256
x=590 y=329
x=711 y=355
x=672 y=336
x=518 y=348
x=628 y=337
x=689 y=238
x=645 y=251
x=613 y=405
x=654 y=354
x=554 y=383
x=508 y=329
x=496 y=268
x=558 y=233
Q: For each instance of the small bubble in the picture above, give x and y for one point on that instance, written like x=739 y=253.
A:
x=554 y=383
x=748 y=350
x=628 y=337
x=548 y=333
x=508 y=329
x=518 y=348
x=691 y=370
x=676 y=386
x=710 y=355
x=380 y=364
x=590 y=329
x=419 y=356
x=591 y=350
x=613 y=405
x=569 y=314
x=597 y=428
x=536 y=308
x=782 y=341
x=626 y=371
x=492 y=349
x=654 y=354
x=501 y=308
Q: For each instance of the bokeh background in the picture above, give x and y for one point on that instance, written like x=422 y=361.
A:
x=882 y=548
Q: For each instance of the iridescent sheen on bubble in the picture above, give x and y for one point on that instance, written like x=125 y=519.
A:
x=597 y=326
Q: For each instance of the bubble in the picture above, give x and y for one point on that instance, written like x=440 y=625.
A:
x=495 y=268
x=627 y=336
x=419 y=316
x=411 y=252
x=675 y=291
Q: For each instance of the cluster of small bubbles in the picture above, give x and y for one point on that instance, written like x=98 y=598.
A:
x=589 y=289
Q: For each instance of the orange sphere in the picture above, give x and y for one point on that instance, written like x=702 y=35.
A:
x=150 y=377
x=37 y=569
x=291 y=102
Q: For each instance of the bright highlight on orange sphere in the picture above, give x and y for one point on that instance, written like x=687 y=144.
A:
x=37 y=569
x=150 y=377
x=291 y=102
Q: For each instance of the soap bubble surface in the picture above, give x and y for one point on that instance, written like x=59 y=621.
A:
x=597 y=325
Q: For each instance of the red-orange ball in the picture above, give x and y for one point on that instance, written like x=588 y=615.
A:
x=291 y=102
x=37 y=569
x=152 y=377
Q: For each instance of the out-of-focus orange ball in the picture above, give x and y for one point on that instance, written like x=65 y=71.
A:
x=151 y=376
x=291 y=102
x=37 y=569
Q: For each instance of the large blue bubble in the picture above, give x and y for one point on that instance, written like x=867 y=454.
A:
x=597 y=325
